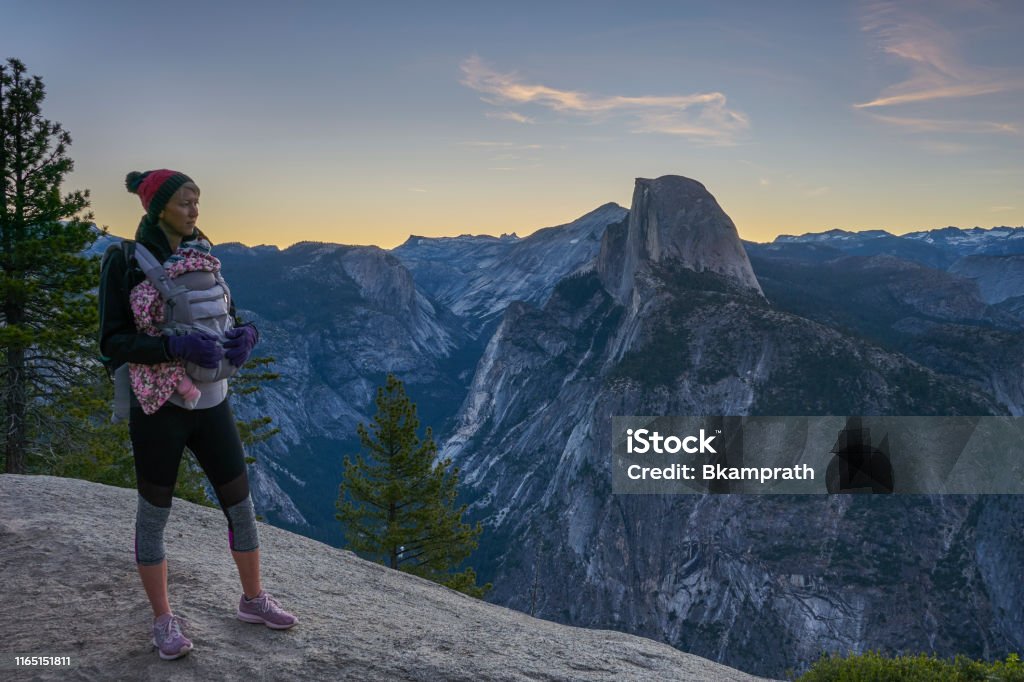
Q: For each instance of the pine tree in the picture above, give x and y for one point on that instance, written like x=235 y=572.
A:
x=48 y=318
x=397 y=505
x=254 y=373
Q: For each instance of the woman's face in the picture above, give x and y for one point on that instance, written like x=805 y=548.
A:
x=181 y=212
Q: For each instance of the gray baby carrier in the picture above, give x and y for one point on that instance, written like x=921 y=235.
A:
x=193 y=301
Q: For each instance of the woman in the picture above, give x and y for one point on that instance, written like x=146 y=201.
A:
x=207 y=428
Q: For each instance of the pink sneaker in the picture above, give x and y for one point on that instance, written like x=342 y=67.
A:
x=168 y=638
x=263 y=608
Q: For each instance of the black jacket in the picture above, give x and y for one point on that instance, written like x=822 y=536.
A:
x=120 y=340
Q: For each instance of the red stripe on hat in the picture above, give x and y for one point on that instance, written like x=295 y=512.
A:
x=151 y=183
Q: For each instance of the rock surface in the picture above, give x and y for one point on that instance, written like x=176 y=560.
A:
x=70 y=589
x=673 y=219
x=478 y=277
x=998 y=277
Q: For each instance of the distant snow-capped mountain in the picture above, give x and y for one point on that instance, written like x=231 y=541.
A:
x=994 y=241
x=953 y=242
x=991 y=258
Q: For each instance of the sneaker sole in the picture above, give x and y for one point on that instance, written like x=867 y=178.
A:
x=171 y=657
x=251 y=618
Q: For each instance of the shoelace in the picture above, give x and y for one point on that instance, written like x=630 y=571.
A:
x=173 y=627
x=266 y=602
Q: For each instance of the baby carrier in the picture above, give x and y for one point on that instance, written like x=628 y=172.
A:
x=193 y=301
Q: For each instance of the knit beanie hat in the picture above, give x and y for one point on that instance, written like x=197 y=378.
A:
x=155 y=188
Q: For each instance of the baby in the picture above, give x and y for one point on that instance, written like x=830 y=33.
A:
x=154 y=384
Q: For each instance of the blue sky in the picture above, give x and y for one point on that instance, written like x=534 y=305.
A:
x=362 y=124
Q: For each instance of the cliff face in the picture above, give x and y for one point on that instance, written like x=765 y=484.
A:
x=999 y=277
x=761 y=583
x=478 y=277
x=70 y=589
x=673 y=219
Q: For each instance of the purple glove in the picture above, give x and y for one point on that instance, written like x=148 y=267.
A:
x=240 y=344
x=198 y=347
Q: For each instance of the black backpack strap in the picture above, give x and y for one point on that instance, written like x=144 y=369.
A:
x=125 y=246
x=128 y=249
x=133 y=275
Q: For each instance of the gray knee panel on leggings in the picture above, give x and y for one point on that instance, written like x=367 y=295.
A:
x=242 y=533
x=149 y=532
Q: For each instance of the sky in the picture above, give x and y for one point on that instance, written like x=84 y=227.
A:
x=365 y=123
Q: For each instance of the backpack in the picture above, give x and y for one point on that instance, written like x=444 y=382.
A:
x=193 y=301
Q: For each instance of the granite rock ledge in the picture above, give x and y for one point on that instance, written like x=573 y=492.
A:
x=70 y=588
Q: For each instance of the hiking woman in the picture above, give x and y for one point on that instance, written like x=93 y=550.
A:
x=206 y=425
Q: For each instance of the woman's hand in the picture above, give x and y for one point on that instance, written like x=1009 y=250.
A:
x=240 y=343
x=198 y=347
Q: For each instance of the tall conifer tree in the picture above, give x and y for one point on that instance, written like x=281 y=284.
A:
x=48 y=318
x=397 y=505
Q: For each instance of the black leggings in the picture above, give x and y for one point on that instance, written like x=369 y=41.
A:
x=159 y=440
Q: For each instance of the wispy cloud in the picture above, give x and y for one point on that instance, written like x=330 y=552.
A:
x=999 y=209
x=817 y=191
x=510 y=116
x=932 y=52
x=705 y=116
x=417 y=189
x=929 y=125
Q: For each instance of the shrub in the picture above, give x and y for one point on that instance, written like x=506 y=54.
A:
x=876 y=667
